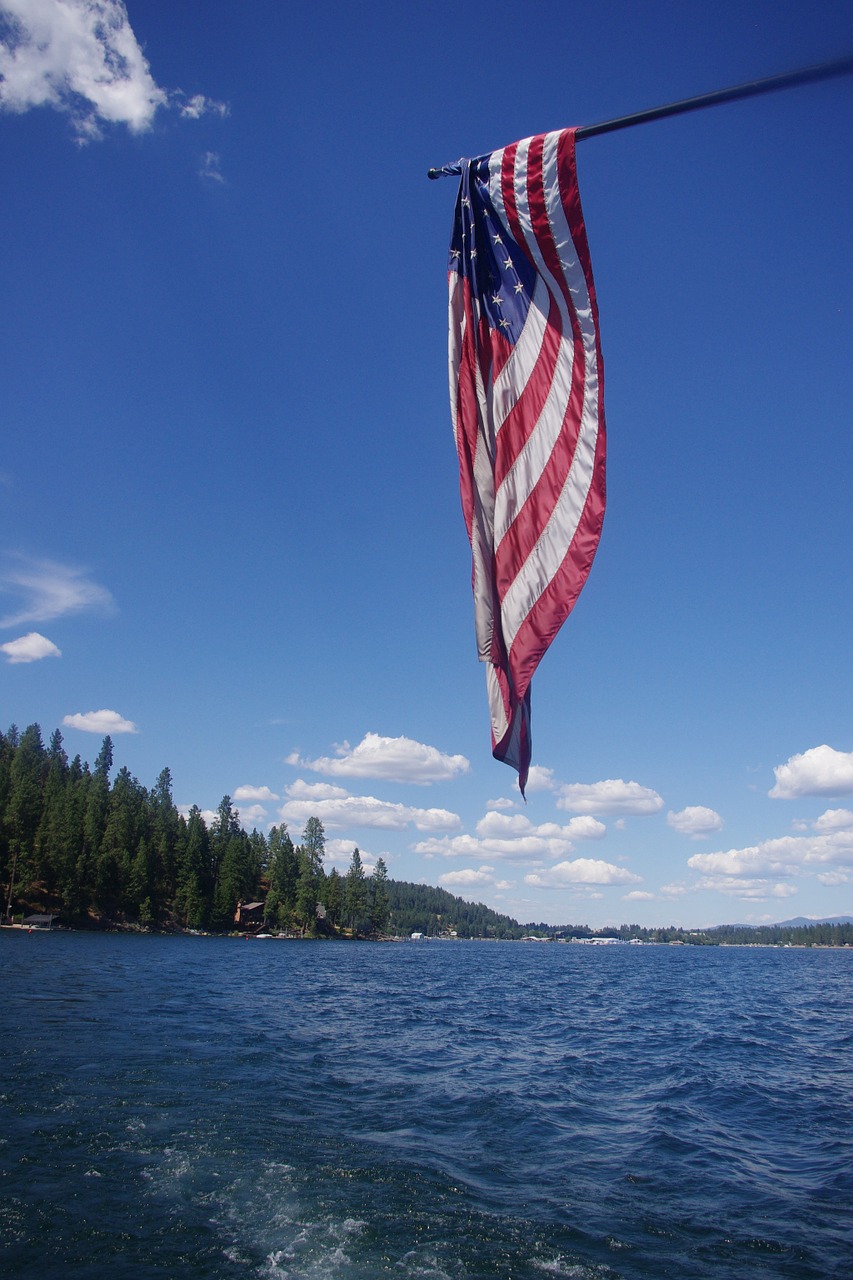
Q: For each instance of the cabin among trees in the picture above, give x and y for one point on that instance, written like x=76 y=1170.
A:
x=100 y=850
x=94 y=851
x=249 y=915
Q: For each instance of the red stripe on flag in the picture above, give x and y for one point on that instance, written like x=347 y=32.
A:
x=525 y=413
x=560 y=596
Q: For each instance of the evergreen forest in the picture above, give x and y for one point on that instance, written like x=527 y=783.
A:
x=96 y=850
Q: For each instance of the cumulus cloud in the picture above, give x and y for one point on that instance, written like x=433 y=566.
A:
x=787 y=855
x=505 y=825
x=339 y=855
x=46 y=589
x=251 y=815
x=470 y=876
x=612 y=795
x=834 y=878
x=834 y=820
x=540 y=779
x=748 y=890
x=302 y=790
x=638 y=895
x=344 y=810
x=30 y=648
x=104 y=722
x=695 y=821
x=514 y=837
x=581 y=871
x=81 y=57
x=821 y=771
x=501 y=803
x=389 y=759
x=673 y=890
x=262 y=794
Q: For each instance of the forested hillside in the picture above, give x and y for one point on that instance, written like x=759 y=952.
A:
x=96 y=851
x=423 y=909
x=75 y=844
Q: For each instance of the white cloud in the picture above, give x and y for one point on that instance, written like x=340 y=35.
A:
x=105 y=722
x=210 y=167
x=612 y=795
x=787 y=855
x=302 y=790
x=81 y=57
x=584 y=827
x=834 y=878
x=638 y=895
x=339 y=855
x=252 y=815
x=366 y=811
x=540 y=779
x=748 y=890
x=517 y=849
x=695 y=821
x=834 y=820
x=199 y=105
x=30 y=648
x=514 y=837
x=673 y=890
x=821 y=771
x=253 y=793
x=389 y=759
x=464 y=879
x=46 y=590
x=504 y=826
x=501 y=803
x=581 y=871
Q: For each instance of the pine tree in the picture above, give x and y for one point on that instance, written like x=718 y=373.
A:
x=24 y=808
x=334 y=892
x=283 y=874
x=379 y=901
x=355 y=893
x=306 y=891
x=194 y=880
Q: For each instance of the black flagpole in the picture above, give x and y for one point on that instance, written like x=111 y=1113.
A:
x=786 y=80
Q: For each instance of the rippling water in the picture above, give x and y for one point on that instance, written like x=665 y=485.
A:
x=214 y=1107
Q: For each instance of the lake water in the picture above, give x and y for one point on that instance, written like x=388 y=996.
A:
x=214 y=1107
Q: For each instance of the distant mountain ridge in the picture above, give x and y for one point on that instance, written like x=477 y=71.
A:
x=798 y=922
x=802 y=922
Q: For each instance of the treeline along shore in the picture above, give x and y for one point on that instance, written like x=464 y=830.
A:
x=96 y=852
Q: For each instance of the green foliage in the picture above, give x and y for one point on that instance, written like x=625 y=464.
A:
x=355 y=894
x=334 y=898
x=283 y=875
x=420 y=908
x=73 y=843
x=379 y=900
x=94 y=851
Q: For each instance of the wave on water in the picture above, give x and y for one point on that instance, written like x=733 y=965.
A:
x=197 y=1107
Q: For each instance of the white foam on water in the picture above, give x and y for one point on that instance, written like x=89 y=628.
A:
x=560 y=1266
x=426 y=1266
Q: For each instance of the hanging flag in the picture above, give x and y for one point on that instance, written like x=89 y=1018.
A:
x=526 y=399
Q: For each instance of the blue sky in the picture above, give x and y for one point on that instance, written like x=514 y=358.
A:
x=231 y=534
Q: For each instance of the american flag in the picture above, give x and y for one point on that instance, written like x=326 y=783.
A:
x=526 y=399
